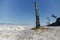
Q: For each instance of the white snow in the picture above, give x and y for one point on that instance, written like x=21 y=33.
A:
x=17 y=32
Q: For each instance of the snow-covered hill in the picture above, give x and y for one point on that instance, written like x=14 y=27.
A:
x=17 y=32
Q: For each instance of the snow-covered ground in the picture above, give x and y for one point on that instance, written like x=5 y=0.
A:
x=17 y=32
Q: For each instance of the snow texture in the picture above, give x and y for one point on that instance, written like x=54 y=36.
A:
x=21 y=33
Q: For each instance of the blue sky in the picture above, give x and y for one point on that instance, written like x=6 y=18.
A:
x=23 y=12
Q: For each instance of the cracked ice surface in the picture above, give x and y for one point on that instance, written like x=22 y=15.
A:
x=53 y=33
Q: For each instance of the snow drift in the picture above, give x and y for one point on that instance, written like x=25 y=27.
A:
x=17 y=32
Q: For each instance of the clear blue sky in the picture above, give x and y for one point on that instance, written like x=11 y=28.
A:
x=23 y=12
